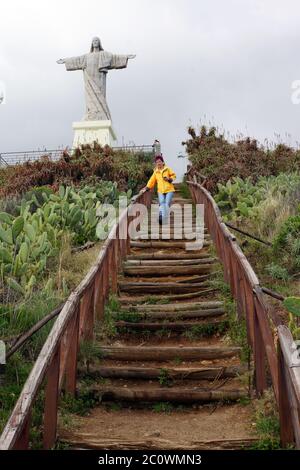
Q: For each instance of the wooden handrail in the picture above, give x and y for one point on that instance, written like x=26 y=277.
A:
x=57 y=361
x=261 y=320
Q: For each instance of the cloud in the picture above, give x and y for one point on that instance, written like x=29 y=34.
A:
x=232 y=61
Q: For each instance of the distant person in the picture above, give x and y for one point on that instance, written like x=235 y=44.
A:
x=163 y=176
x=157 y=148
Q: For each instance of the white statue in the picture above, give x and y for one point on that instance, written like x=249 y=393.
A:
x=95 y=66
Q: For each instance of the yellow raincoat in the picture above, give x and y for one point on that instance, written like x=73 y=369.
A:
x=158 y=177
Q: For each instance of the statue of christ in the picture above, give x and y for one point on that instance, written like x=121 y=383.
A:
x=95 y=66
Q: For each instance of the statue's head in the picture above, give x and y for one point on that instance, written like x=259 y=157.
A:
x=96 y=44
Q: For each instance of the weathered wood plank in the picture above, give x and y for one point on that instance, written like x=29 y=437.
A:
x=167 y=256
x=166 y=270
x=169 y=325
x=202 y=313
x=174 y=395
x=169 y=262
x=183 y=373
x=167 y=244
x=176 y=307
x=148 y=287
x=151 y=353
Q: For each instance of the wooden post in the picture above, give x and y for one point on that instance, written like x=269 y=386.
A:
x=259 y=358
x=71 y=360
x=240 y=292
x=105 y=274
x=286 y=428
x=87 y=313
x=98 y=296
x=51 y=402
x=22 y=442
x=129 y=219
x=66 y=344
x=250 y=313
x=114 y=268
x=116 y=251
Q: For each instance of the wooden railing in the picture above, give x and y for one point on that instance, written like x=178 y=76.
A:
x=56 y=365
x=274 y=353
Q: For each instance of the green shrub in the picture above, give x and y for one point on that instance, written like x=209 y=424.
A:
x=289 y=229
x=220 y=160
x=277 y=272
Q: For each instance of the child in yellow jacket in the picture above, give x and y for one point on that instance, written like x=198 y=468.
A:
x=163 y=176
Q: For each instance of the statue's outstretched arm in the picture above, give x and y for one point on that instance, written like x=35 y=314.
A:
x=119 y=61
x=73 y=63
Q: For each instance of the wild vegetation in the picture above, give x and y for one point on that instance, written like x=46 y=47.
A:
x=47 y=210
x=257 y=190
x=220 y=160
x=129 y=170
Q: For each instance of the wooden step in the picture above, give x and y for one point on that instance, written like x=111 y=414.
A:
x=169 y=236
x=167 y=256
x=165 y=315
x=96 y=442
x=175 y=201
x=159 y=287
x=166 y=270
x=167 y=244
x=177 y=326
x=175 y=373
x=166 y=353
x=144 y=299
x=176 y=307
x=169 y=262
x=178 y=278
x=172 y=395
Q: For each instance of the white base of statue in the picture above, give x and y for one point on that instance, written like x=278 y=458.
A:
x=87 y=132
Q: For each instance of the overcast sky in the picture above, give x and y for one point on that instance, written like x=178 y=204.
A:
x=231 y=63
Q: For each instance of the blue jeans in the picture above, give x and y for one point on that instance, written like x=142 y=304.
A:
x=164 y=204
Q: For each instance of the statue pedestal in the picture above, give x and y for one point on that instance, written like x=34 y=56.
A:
x=87 y=132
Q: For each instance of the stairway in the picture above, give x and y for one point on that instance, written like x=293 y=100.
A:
x=171 y=348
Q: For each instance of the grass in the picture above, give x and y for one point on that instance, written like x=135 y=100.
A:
x=114 y=406
x=163 y=333
x=128 y=316
x=236 y=328
x=184 y=189
x=177 y=361
x=164 y=378
x=72 y=267
x=18 y=318
x=17 y=371
x=80 y=405
x=89 y=352
x=267 y=423
x=205 y=330
x=163 y=407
